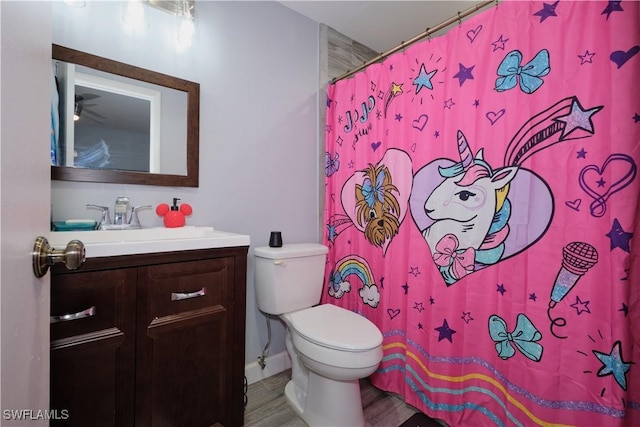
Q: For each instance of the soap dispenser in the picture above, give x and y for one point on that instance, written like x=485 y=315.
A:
x=174 y=216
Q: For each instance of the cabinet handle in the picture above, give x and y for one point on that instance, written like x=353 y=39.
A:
x=177 y=296
x=89 y=312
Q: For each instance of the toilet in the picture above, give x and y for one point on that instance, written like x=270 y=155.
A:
x=331 y=348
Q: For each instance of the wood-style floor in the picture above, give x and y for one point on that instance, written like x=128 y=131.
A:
x=267 y=406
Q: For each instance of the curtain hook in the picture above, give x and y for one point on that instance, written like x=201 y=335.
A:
x=459 y=19
x=428 y=33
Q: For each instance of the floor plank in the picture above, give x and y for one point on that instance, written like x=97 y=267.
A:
x=267 y=406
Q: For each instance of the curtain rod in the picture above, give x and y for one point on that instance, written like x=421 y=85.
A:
x=426 y=33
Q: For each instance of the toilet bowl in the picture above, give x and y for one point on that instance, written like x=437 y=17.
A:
x=331 y=348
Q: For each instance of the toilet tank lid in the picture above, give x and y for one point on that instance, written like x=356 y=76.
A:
x=291 y=251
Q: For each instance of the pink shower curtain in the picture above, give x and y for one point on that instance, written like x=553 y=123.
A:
x=481 y=210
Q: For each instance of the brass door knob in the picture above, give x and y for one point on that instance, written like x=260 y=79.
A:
x=44 y=256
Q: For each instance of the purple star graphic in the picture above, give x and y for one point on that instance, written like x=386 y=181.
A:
x=476 y=103
x=624 y=309
x=418 y=306
x=406 y=288
x=464 y=74
x=601 y=182
x=499 y=44
x=533 y=296
x=581 y=154
x=399 y=117
x=436 y=134
x=613 y=6
x=432 y=300
x=581 y=306
x=449 y=103
x=466 y=316
x=445 y=332
x=636 y=118
x=414 y=271
x=578 y=118
x=419 y=325
x=501 y=289
x=586 y=58
x=619 y=237
x=547 y=11
x=329 y=101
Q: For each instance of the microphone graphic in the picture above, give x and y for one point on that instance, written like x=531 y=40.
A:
x=577 y=259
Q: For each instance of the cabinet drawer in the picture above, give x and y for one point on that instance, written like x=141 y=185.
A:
x=83 y=303
x=188 y=286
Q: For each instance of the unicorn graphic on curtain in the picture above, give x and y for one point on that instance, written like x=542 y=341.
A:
x=468 y=213
x=471 y=213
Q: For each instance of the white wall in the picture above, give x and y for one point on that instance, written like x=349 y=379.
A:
x=24 y=175
x=257 y=65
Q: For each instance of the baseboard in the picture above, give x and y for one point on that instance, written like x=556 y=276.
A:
x=275 y=364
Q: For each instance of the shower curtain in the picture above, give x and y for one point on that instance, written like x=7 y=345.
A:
x=482 y=210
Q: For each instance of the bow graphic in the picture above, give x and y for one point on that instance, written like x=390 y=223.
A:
x=524 y=337
x=371 y=193
x=530 y=73
x=447 y=254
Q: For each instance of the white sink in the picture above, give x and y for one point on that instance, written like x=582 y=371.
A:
x=101 y=243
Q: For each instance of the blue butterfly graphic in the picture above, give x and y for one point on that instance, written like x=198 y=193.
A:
x=530 y=73
x=372 y=193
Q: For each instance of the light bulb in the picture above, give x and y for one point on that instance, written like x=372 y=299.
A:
x=134 y=15
x=186 y=30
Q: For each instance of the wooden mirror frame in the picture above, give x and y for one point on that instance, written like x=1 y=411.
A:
x=130 y=177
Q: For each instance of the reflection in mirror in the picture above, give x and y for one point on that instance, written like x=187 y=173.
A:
x=119 y=123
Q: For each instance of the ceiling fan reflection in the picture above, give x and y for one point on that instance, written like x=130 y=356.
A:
x=82 y=109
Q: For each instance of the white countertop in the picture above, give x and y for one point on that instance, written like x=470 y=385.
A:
x=104 y=243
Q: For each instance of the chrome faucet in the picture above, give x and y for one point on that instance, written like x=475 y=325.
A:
x=120 y=211
x=120 y=219
x=105 y=220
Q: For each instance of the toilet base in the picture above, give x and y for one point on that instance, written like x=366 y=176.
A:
x=328 y=402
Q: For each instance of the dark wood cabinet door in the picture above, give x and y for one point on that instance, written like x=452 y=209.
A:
x=93 y=347
x=185 y=343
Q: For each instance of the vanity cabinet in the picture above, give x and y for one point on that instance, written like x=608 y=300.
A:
x=150 y=340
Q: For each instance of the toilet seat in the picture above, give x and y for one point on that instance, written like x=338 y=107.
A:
x=336 y=328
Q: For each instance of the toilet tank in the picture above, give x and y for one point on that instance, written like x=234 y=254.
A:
x=289 y=278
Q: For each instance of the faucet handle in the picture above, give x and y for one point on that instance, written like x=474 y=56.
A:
x=133 y=219
x=106 y=218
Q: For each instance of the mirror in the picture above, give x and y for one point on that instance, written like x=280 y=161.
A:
x=132 y=125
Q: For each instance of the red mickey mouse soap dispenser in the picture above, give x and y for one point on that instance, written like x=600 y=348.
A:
x=174 y=217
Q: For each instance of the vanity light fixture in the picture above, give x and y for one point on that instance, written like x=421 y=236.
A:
x=134 y=16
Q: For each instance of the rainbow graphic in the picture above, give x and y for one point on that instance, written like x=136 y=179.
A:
x=353 y=264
